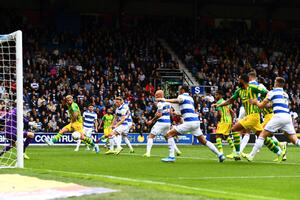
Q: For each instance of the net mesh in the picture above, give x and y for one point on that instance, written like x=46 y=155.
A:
x=8 y=136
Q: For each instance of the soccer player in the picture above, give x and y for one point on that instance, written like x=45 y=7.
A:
x=10 y=132
x=281 y=120
x=90 y=125
x=107 y=120
x=124 y=122
x=75 y=125
x=225 y=119
x=162 y=125
x=191 y=124
x=252 y=119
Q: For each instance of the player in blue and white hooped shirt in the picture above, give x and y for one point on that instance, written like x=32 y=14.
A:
x=90 y=125
x=191 y=124
x=281 y=120
x=162 y=125
x=123 y=124
x=129 y=122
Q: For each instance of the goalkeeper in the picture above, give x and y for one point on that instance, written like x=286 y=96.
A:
x=75 y=125
x=10 y=132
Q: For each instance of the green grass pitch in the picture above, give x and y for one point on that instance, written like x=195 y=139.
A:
x=195 y=175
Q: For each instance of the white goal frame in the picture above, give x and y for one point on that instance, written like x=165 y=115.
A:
x=17 y=36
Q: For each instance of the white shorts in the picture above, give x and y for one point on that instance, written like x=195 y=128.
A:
x=242 y=113
x=283 y=122
x=160 y=128
x=192 y=127
x=128 y=128
x=122 y=129
x=88 y=131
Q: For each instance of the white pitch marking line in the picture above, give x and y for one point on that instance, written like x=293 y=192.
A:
x=158 y=183
x=227 y=177
x=227 y=160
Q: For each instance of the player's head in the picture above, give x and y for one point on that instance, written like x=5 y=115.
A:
x=219 y=95
x=69 y=99
x=159 y=94
x=109 y=110
x=91 y=107
x=279 y=82
x=243 y=80
x=184 y=89
x=119 y=101
x=252 y=75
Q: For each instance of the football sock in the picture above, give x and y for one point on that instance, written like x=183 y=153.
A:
x=89 y=141
x=106 y=141
x=219 y=145
x=297 y=143
x=127 y=142
x=277 y=143
x=111 y=143
x=271 y=145
x=5 y=149
x=171 y=146
x=212 y=147
x=175 y=147
x=78 y=143
x=244 y=141
x=236 y=140
x=258 y=144
x=26 y=143
x=229 y=140
x=118 y=140
x=102 y=138
x=57 y=137
x=149 y=145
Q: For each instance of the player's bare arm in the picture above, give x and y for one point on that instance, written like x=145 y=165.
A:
x=263 y=104
x=157 y=115
x=121 y=121
x=169 y=100
x=227 y=102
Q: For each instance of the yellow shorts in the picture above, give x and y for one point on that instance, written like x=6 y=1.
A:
x=268 y=117
x=223 y=128
x=107 y=131
x=252 y=122
x=77 y=126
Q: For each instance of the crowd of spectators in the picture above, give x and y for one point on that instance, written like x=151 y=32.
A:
x=102 y=63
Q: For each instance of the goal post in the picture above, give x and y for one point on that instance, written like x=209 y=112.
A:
x=11 y=97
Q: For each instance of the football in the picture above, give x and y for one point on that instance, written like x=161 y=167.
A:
x=76 y=135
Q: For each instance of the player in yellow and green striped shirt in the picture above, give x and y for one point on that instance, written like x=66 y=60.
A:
x=252 y=119
x=225 y=118
x=75 y=124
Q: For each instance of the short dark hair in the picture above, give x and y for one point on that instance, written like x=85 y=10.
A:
x=186 y=88
x=280 y=81
x=91 y=105
x=245 y=77
x=220 y=92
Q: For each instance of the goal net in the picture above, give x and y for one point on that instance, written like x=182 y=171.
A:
x=11 y=100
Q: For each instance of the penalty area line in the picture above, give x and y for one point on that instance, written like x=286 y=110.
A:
x=156 y=183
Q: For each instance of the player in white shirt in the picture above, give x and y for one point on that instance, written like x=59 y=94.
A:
x=281 y=120
x=124 y=123
x=191 y=124
x=90 y=124
x=162 y=125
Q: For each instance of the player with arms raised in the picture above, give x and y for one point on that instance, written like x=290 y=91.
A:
x=75 y=125
x=162 y=125
x=281 y=119
x=191 y=124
